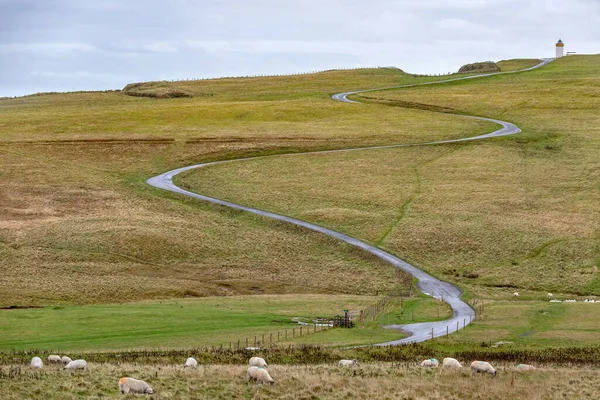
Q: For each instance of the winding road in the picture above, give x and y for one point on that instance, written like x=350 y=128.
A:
x=462 y=312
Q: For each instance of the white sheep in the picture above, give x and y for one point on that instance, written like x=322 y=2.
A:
x=525 y=367
x=515 y=295
x=259 y=375
x=131 y=385
x=191 y=363
x=550 y=295
x=36 y=362
x=432 y=362
x=483 y=367
x=54 y=359
x=65 y=359
x=449 y=362
x=257 y=362
x=76 y=364
x=348 y=363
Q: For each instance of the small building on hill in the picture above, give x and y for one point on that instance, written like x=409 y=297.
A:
x=560 y=48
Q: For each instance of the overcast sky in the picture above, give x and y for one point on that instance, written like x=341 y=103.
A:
x=64 y=45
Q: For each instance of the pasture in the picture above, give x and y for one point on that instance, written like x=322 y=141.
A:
x=502 y=215
x=371 y=380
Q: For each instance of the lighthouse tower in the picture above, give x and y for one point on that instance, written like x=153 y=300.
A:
x=560 y=49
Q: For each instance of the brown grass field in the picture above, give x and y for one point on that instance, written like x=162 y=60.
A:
x=370 y=380
x=78 y=224
x=518 y=213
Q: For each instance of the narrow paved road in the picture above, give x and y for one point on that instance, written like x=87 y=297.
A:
x=462 y=312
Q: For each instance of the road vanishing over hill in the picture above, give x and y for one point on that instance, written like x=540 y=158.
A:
x=462 y=312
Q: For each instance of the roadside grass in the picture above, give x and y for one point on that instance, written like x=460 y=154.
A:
x=530 y=325
x=510 y=214
x=517 y=64
x=371 y=380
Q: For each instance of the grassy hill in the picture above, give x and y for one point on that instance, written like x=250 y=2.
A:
x=498 y=216
x=78 y=224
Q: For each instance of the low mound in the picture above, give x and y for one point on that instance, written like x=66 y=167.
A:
x=486 y=66
x=159 y=90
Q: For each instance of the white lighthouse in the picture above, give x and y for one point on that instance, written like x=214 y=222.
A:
x=560 y=49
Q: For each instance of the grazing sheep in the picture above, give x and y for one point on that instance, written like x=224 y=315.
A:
x=571 y=301
x=451 y=363
x=191 y=363
x=432 y=362
x=131 y=385
x=483 y=367
x=65 y=359
x=550 y=296
x=348 y=363
x=257 y=362
x=54 y=359
x=525 y=367
x=515 y=295
x=36 y=362
x=259 y=375
x=76 y=364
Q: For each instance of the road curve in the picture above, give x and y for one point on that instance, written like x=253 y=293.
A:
x=462 y=312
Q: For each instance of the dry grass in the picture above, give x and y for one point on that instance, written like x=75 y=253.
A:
x=78 y=224
x=377 y=380
x=519 y=213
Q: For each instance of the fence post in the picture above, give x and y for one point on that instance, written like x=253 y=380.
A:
x=432 y=333
x=238 y=344
x=263 y=341
x=277 y=336
x=447 y=331
x=286 y=334
x=456 y=326
x=254 y=340
x=464 y=323
x=246 y=342
x=300 y=330
x=270 y=338
x=293 y=332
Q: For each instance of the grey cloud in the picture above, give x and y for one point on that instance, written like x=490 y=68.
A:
x=90 y=44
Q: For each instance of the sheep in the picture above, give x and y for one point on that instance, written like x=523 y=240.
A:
x=54 y=359
x=432 y=362
x=451 y=363
x=348 y=363
x=76 y=364
x=550 y=295
x=515 y=295
x=483 y=367
x=36 y=362
x=525 y=367
x=131 y=385
x=65 y=359
x=259 y=375
x=191 y=363
x=257 y=362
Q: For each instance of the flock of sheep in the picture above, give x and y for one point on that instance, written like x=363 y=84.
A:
x=550 y=298
x=476 y=366
x=257 y=370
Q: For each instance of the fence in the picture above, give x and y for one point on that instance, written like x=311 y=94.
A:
x=271 y=339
